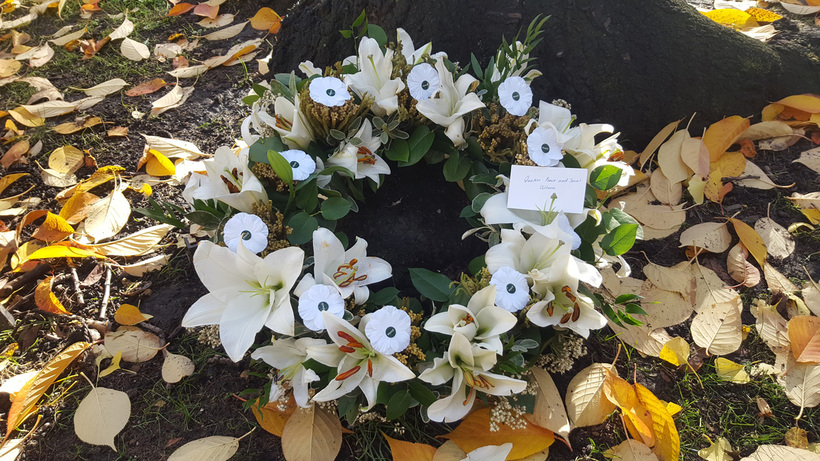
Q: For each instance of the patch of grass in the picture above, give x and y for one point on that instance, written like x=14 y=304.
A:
x=15 y=93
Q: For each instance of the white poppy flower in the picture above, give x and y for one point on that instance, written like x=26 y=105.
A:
x=248 y=229
x=228 y=179
x=287 y=356
x=358 y=363
x=329 y=91
x=361 y=159
x=480 y=321
x=466 y=365
x=301 y=163
x=512 y=291
x=388 y=330
x=515 y=95
x=563 y=306
x=451 y=103
x=317 y=299
x=246 y=293
x=351 y=271
x=423 y=82
x=543 y=147
x=374 y=79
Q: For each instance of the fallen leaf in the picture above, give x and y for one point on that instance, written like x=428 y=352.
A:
x=796 y=438
x=128 y=314
x=739 y=268
x=105 y=88
x=77 y=125
x=711 y=236
x=717 y=328
x=731 y=371
x=228 y=32
x=409 y=451
x=117 y=132
x=273 y=416
x=721 y=135
x=9 y=67
x=65 y=39
x=213 y=448
x=777 y=282
x=754 y=177
x=45 y=299
x=312 y=433
x=113 y=366
x=174 y=98
x=664 y=308
x=146 y=87
x=474 y=432
x=779 y=243
x=811 y=159
x=15 y=154
x=266 y=19
x=667 y=445
x=136 y=345
x=549 y=411
x=717 y=451
x=585 y=402
x=665 y=191
x=670 y=160
x=133 y=50
x=101 y=415
x=181 y=8
x=10 y=179
x=675 y=351
x=646 y=340
x=207 y=10
x=803 y=102
x=221 y=20
x=173 y=148
x=696 y=156
x=49 y=109
x=66 y=159
x=636 y=416
x=656 y=142
x=802 y=384
x=781 y=452
x=140 y=268
x=175 y=367
x=731 y=17
x=107 y=216
x=23 y=116
x=766 y=130
x=124 y=30
x=804 y=337
x=631 y=450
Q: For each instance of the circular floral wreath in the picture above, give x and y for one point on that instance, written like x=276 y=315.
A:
x=311 y=145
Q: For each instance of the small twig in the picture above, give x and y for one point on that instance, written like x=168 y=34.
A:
x=76 y=278
x=106 y=293
x=34 y=274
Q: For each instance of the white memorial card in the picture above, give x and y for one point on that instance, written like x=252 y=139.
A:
x=532 y=188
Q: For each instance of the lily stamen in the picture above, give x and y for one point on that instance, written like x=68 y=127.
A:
x=348 y=373
x=283 y=123
x=347 y=274
x=365 y=155
x=351 y=341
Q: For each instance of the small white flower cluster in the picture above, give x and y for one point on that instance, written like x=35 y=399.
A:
x=562 y=357
x=209 y=336
x=503 y=412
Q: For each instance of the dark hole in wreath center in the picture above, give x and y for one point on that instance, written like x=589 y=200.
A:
x=413 y=221
x=323 y=306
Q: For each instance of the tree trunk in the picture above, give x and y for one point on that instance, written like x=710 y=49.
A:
x=636 y=64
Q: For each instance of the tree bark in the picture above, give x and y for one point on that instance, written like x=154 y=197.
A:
x=635 y=64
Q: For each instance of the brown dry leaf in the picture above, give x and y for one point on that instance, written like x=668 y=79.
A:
x=312 y=434
x=781 y=452
x=175 y=367
x=20 y=260
x=25 y=400
x=747 y=148
x=711 y=236
x=654 y=216
x=15 y=154
x=796 y=438
x=781 y=143
x=715 y=190
x=267 y=19
x=128 y=314
x=174 y=98
x=117 y=132
x=46 y=300
x=739 y=268
x=779 y=243
x=213 y=448
x=77 y=125
x=669 y=158
x=136 y=345
x=804 y=337
x=810 y=201
x=146 y=87
x=766 y=130
x=718 y=328
x=721 y=135
x=101 y=415
x=207 y=10
x=134 y=50
x=181 y=8
x=271 y=417
x=665 y=191
x=228 y=32
x=549 y=411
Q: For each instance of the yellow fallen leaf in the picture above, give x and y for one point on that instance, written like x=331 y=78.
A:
x=731 y=164
x=45 y=299
x=762 y=15
x=803 y=102
x=128 y=314
x=158 y=164
x=64 y=250
x=266 y=19
x=732 y=17
x=113 y=366
x=667 y=445
x=675 y=351
x=474 y=432
x=271 y=417
x=804 y=336
x=636 y=417
x=751 y=240
x=717 y=451
x=409 y=451
x=731 y=371
x=721 y=135
x=673 y=408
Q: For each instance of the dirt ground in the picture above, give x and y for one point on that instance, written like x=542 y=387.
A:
x=412 y=222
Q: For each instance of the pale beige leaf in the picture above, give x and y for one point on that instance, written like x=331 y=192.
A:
x=718 y=328
x=101 y=415
x=54 y=178
x=645 y=340
x=106 y=88
x=189 y=72
x=777 y=282
x=549 y=409
x=42 y=56
x=10 y=450
x=631 y=450
x=810 y=158
x=50 y=108
x=228 y=32
x=664 y=308
x=740 y=269
x=810 y=201
x=175 y=367
x=766 y=130
x=811 y=295
x=780 y=143
x=449 y=451
x=221 y=20
x=711 y=236
x=173 y=148
x=136 y=345
x=312 y=434
x=167 y=50
x=138 y=269
x=770 y=325
x=136 y=244
x=174 y=98
x=89 y=102
x=124 y=30
x=214 y=448
x=717 y=451
x=665 y=191
x=755 y=178
x=107 y=216
x=620 y=285
x=63 y=39
x=779 y=242
x=731 y=371
x=134 y=50
x=669 y=158
x=655 y=216
x=781 y=452
x=66 y=160
x=802 y=383
x=585 y=401
x=677 y=278
x=710 y=288
x=695 y=155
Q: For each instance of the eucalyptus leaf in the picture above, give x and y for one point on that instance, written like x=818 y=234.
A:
x=430 y=284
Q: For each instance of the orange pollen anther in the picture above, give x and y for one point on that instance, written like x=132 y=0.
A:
x=347 y=349
x=370 y=368
x=364 y=155
x=351 y=341
x=283 y=123
x=345 y=274
x=348 y=373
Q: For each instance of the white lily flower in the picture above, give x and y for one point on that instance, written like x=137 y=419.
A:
x=248 y=228
x=329 y=91
x=362 y=159
x=591 y=155
x=543 y=147
x=452 y=102
x=466 y=365
x=480 y=321
x=287 y=356
x=388 y=330
x=301 y=163
x=423 y=81
x=414 y=55
x=374 y=79
x=229 y=179
x=490 y=453
x=563 y=306
x=515 y=95
x=351 y=271
x=317 y=299
x=309 y=69
x=358 y=363
x=246 y=293
x=513 y=292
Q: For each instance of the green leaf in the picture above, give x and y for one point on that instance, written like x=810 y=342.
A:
x=419 y=143
x=457 y=167
x=281 y=167
x=303 y=226
x=359 y=20
x=383 y=296
x=307 y=196
x=399 y=151
x=430 y=284
x=207 y=220
x=611 y=315
x=476 y=265
x=346 y=33
x=250 y=99
x=335 y=208
x=476 y=67
x=479 y=201
x=421 y=392
x=259 y=150
x=605 y=177
x=624 y=218
x=376 y=32
x=398 y=404
x=620 y=240
x=625 y=298
x=633 y=308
